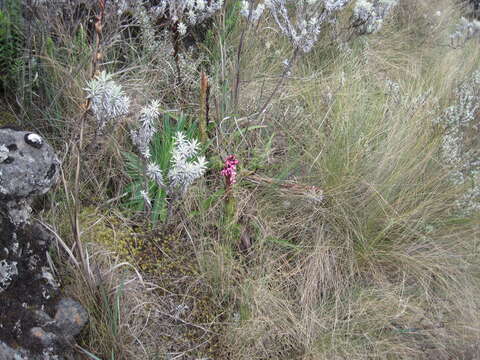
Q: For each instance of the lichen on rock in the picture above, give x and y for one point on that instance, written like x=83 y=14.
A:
x=28 y=165
x=34 y=319
x=8 y=271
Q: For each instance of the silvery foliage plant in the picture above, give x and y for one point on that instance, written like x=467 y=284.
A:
x=107 y=99
x=465 y=31
x=184 y=169
x=369 y=15
x=301 y=20
x=183 y=13
x=460 y=144
x=189 y=12
x=142 y=136
x=250 y=11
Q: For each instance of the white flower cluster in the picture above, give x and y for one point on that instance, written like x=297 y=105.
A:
x=465 y=31
x=250 y=12
x=460 y=150
x=183 y=171
x=142 y=136
x=187 y=12
x=146 y=20
x=369 y=15
x=146 y=197
x=180 y=12
x=108 y=100
x=155 y=173
x=303 y=27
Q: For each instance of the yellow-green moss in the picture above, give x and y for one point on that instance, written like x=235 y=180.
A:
x=110 y=231
x=7 y=119
x=168 y=258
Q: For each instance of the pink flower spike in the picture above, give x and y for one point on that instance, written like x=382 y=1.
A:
x=230 y=170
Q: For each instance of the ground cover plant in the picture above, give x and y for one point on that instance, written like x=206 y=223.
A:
x=249 y=179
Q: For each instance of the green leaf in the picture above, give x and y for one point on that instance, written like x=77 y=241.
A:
x=283 y=243
x=208 y=202
x=89 y=354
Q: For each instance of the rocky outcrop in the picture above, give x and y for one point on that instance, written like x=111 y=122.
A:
x=36 y=323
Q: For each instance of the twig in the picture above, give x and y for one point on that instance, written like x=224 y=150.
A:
x=286 y=71
x=293 y=188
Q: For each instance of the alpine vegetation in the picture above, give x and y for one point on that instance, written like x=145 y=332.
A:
x=108 y=100
x=465 y=31
x=155 y=173
x=282 y=179
x=184 y=170
x=187 y=12
x=142 y=136
x=368 y=16
x=251 y=12
x=229 y=171
x=303 y=27
x=180 y=14
x=460 y=143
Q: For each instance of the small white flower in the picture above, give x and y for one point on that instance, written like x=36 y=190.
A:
x=182 y=28
x=146 y=198
x=142 y=136
x=155 y=173
x=183 y=171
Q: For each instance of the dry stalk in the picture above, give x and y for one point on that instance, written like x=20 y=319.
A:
x=288 y=187
x=203 y=116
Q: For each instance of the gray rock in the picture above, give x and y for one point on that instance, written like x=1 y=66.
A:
x=8 y=272
x=28 y=168
x=47 y=339
x=7 y=353
x=71 y=317
x=29 y=294
x=43 y=318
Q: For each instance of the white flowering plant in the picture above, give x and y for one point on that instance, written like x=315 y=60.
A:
x=180 y=14
x=301 y=21
x=107 y=98
x=186 y=13
x=173 y=164
x=368 y=15
x=465 y=30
